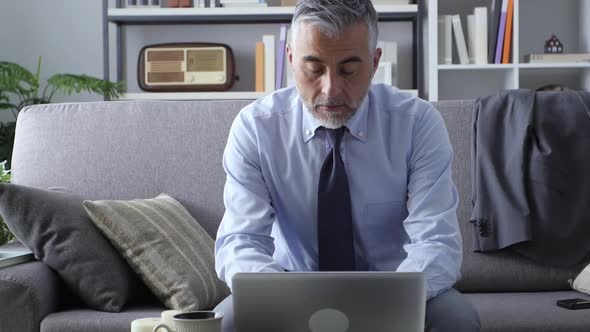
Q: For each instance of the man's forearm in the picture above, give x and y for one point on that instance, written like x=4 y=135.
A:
x=243 y=253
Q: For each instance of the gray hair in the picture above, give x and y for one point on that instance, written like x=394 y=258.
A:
x=333 y=16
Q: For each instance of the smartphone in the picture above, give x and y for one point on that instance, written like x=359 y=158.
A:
x=574 y=303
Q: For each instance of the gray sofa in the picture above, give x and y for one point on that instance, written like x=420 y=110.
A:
x=139 y=149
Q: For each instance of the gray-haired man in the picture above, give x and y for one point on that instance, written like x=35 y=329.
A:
x=391 y=148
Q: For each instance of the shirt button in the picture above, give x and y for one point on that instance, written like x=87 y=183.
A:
x=308 y=132
x=361 y=134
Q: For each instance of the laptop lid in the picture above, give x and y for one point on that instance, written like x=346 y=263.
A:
x=329 y=301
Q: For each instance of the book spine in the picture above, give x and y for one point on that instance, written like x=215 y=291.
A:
x=508 y=33
x=173 y=3
x=448 y=40
x=481 y=35
x=460 y=40
x=269 y=62
x=281 y=56
x=471 y=37
x=445 y=40
x=259 y=66
x=494 y=20
x=501 y=29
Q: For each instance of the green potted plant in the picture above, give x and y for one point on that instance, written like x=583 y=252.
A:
x=19 y=88
x=5 y=234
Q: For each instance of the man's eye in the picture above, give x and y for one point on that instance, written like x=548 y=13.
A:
x=315 y=70
x=346 y=72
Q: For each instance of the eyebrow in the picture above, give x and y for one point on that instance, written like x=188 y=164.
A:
x=311 y=58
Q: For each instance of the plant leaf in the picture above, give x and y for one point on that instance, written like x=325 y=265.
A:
x=69 y=83
x=17 y=79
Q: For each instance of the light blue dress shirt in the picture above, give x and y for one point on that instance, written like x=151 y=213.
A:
x=397 y=157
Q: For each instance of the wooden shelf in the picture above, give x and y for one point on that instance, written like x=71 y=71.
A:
x=220 y=14
x=202 y=95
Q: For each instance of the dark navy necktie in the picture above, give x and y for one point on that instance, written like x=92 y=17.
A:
x=335 y=239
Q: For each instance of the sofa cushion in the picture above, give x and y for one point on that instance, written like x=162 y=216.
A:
x=55 y=227
x=166 y=246
x=529 y=312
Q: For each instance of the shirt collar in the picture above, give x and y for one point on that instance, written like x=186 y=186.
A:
x=357 y=124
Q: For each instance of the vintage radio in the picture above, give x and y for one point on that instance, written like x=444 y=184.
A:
x=184 y=67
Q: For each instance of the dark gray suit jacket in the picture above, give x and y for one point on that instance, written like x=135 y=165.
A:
x=531 y=175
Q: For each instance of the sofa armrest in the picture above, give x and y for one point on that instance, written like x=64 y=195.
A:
x=28 y=292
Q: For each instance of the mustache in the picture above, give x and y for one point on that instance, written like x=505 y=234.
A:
x=329 y=102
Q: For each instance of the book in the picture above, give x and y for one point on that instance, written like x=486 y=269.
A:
x=389 y=60
x=481 y=35
x=269 y=62
x=259 y=67
x=557 y=58
x=383 y=73
x=280 y=67
x=501 y=29
x=494 y=10
x=445 y=40
x=471 y=38
x=172 y=3
x=508 y=33
x=460 y=40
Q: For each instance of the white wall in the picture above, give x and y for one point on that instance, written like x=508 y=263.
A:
x=65 y=33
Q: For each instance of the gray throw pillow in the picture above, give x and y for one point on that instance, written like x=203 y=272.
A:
x=166 y=246
x=55 y=227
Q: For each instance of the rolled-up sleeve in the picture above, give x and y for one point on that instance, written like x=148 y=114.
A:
x=435 y=241
x=243 y=242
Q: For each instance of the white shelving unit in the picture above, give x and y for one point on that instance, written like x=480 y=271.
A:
x=210 y=17
x=533 y=22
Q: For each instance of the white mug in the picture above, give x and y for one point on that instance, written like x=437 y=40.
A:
x=193 y=321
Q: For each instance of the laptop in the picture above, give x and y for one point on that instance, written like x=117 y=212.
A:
x=329 y=301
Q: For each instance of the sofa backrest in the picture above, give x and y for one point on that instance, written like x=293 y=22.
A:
x=139 y=149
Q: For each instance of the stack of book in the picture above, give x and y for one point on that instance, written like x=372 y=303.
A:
x=557 y=58
x=272 y=71
x=488 y=39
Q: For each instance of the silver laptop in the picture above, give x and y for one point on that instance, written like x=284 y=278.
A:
x=329 y=302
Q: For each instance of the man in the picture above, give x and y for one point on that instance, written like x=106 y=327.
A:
x=390 y=148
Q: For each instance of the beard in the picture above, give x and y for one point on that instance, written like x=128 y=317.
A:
x=330 y=119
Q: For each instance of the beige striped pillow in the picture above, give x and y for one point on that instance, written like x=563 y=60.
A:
x=166 y=246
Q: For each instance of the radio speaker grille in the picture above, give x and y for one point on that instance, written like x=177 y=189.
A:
x=166 y=66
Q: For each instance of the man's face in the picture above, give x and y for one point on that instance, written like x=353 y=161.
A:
x=333 y=75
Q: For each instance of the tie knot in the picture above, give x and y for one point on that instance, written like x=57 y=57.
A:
x=335 y=135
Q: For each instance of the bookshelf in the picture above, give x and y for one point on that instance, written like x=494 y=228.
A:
x=249 y=23
x=534 y=21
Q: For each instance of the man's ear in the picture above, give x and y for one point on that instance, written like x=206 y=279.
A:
x=290 y=54
x=376 y=58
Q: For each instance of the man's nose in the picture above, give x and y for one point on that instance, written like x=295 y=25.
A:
x=331 y=84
